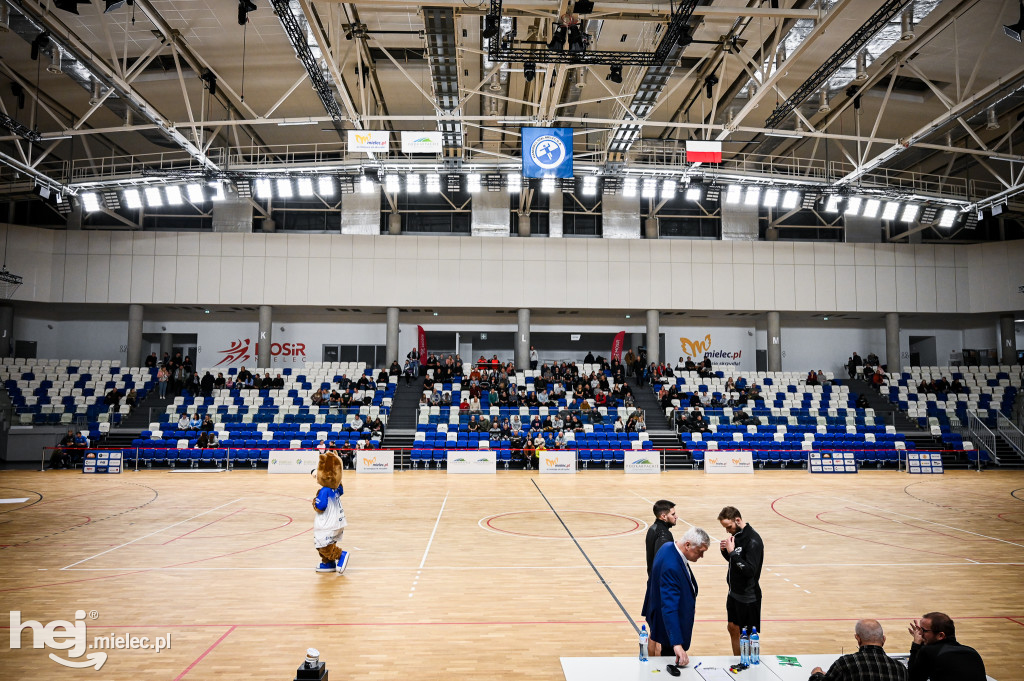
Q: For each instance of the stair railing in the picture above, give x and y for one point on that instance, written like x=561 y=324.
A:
x=980 y=433
x=1011 y=433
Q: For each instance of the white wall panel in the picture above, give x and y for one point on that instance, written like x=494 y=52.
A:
x=764 y=286
x=945 y=288
x=924 y=255
x=846 y=287
x=743 y=285
x=803 y=283
x=885 y=255
x=275 y=284
x=863 y=254
x=846 y=254
x=785 y=296
x=230 y=271
x=783 y=252
x=210 y=244
x=683 y=296
x=253 y=275
x=297 y=282
x=77 y=242
x=340 y=280
x=142 y=278
x=721 y=284
x=208 y=279
x=246 y=245
x=120 y=280
x=143 y=243
x=186 y=284
x=681 y=250
x=188 y=243
x=617 y=294
x=121 y=243
x=742 y=252
x=824 y=253
x=885 y=288
x=76 y=267
x=866 y=296
x=963 y=290
x=906 y=289
x=925 y=284
x=164 y=269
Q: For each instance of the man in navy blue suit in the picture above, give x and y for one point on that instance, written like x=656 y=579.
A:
x=671 y=600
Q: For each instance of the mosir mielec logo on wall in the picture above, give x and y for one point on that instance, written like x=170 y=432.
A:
x=72 y=637
x=244 y=350
x=698 y=348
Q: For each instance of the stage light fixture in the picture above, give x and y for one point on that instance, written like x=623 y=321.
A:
x=577 y=40
x=709 y=85
x=325 y=186
x=473 y=183
x=153 y=197
x=790 y=200
x=771 y=198
x=693 y=192
x=244 y=7
x=1014 y=30
x=589 y=186
x=365 y=185
x=685 y=38
x=547 y=185
x=871 y=207
x=113 y=5
x=614 y=74
x=832 y=203
x=412 y=184
x=492 y=26
x=948 y=218
x=68 y=5
x=629 y=187
x=514 y=183
x=90 y=202
x=649 y=189
x=910 y=212
x=668 y=189
x=173 y=193
x=557 y=42
x=38 y=43
x=264 y=190
x=218 y=190
x=132 y=199
x=304 y=186
x=391 y=184
x=891 y=210
x=853 y=205
x=529 y=71
x=433 y=183
x=284 y=188
x=195 y=193
x=752 y=196
x=734 y=194
x=583 y=6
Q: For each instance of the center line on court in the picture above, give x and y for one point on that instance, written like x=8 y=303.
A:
x=593 y=567
x=436 y=523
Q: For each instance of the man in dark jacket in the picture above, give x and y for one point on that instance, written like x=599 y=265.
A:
x=745 y=553
x=659 y=534
x=936 y=654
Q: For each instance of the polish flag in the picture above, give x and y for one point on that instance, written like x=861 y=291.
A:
x=703 y=152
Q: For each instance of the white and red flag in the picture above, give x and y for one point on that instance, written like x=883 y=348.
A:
x=703 y=152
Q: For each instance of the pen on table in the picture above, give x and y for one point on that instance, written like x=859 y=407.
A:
x=698 y=666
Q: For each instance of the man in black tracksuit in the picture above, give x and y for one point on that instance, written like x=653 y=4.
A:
x=745 y=552
x=936 y=654
x=659 y=534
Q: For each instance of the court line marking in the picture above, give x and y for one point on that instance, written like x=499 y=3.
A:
x=924 y=520
x=205 y=653
x=436 y=523
x=485 y=524
x=151 y=534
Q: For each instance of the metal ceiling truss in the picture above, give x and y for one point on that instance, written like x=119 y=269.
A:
x=500 y=50
x=442 y=52
x=297 y=37
x=879 y=20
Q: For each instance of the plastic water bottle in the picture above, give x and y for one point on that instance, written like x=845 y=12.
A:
x=755 y=646
x=744 y=647
x=643 y=642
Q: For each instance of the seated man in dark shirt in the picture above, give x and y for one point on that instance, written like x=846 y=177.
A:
x=935 y=653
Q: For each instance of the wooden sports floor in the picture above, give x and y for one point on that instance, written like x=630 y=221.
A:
x=475 y=577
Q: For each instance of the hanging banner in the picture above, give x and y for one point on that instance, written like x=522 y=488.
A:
x=421 y=344
x=369 y=141
x=703 y=152
x=620 y=340
x=415 y=142
x=547 y=152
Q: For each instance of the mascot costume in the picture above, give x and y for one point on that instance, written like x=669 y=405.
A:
x=330 y=522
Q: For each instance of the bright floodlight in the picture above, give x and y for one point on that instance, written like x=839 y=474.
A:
x=832 y=204
x=218 y=190
x=90 y=202
x=132 y=199
x=412 y=183
x=752 y=196
x=305 y=186
x=473 y=183
x=693 y=192
x=325 y=186
x=791 y=199
x=514 y=183
x=947 y=218
x=284 y=188
x=195 y=193
x=264 y=188
x=853 y=205
x=650 y=188
x=589 y=186
x=733 y=194
x=153 y=197
x=668 y=189
x=365 y=185
x=391 y=183
x=433 y=183
x=629 y=187
x=547 y=185
x=892 y=208
x=871 y=207
x=771 y=198
x=910 y=212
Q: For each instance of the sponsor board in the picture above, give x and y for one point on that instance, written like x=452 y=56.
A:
x=472 y=461
x=557 y=461
x=369 y=141
x=703 y=346
x=102 y=463
x=643 y=461
x=831 y=462
x=293 y=461
x=414 y=142
x=728 y=462
x=375 y=461
x=924 y=463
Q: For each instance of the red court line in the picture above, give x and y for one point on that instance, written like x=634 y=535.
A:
x=205 y=653
x=1017 y=621
x=206 y=525
x=909 y=528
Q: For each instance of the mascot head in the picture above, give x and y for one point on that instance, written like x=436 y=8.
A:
x=328 y=470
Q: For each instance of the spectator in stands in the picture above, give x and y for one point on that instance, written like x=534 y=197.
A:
x=534 y=358
x=812 y=378
x=131 y=399
x=852 y=362
x=162 y=377
x=629 y=359
x=362 y=443
x=347 y=454
x=474 y=425
x=278 y=383
x=446 y=399
x=195 y=422
x=113 y=399
x=193 y=384
x=61 y=456
x=935 y=653
x=183 y=422
x=435 y=399
x=207 y=424
x=872 y=360
x=485 y=424
x=730 y=386
x=395 y=369
x=696 y=423
x=317 y=398
x=956 y=386
x=869 y=663
x=407 y=372
x=821 y=378
x=941 y=385
x=742 y=418
x=207 y=440
x=355 y=425
x=474 y=405
x=268 y=382
x=206 y=384
x=922 y=387
x=151 y=361
x=878 y=379
x=862 y=401
x=413 y=357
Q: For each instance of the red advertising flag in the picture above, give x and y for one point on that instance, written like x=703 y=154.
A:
x=703 y=152
x=620 y=339
x=422 y=344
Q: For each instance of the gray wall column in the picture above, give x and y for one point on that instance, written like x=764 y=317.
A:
x=524 y=224
x=651 y=228
x=265 y=336
x=134 y=354
x=1008 y=340
x=166 y=344
x=395 y=223
x=774 y=342
x=892 y=341
x=637 y=340
x=391 y=336
x=653 y=337
x=6 y=331
x=522 y=344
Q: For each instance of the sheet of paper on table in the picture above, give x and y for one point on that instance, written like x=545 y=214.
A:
x=715 y=674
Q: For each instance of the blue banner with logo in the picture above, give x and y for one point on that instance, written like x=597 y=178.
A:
x=547 y=152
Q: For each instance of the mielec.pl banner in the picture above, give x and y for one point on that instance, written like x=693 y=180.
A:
x=375 y=461
x=728 y=462
x=421 y=344
x=620 y=340
x=557 y=461
x=547 y=152
x=414 y=142
x=369 y=141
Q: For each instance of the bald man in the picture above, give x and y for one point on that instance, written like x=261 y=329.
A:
x=869 y=663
